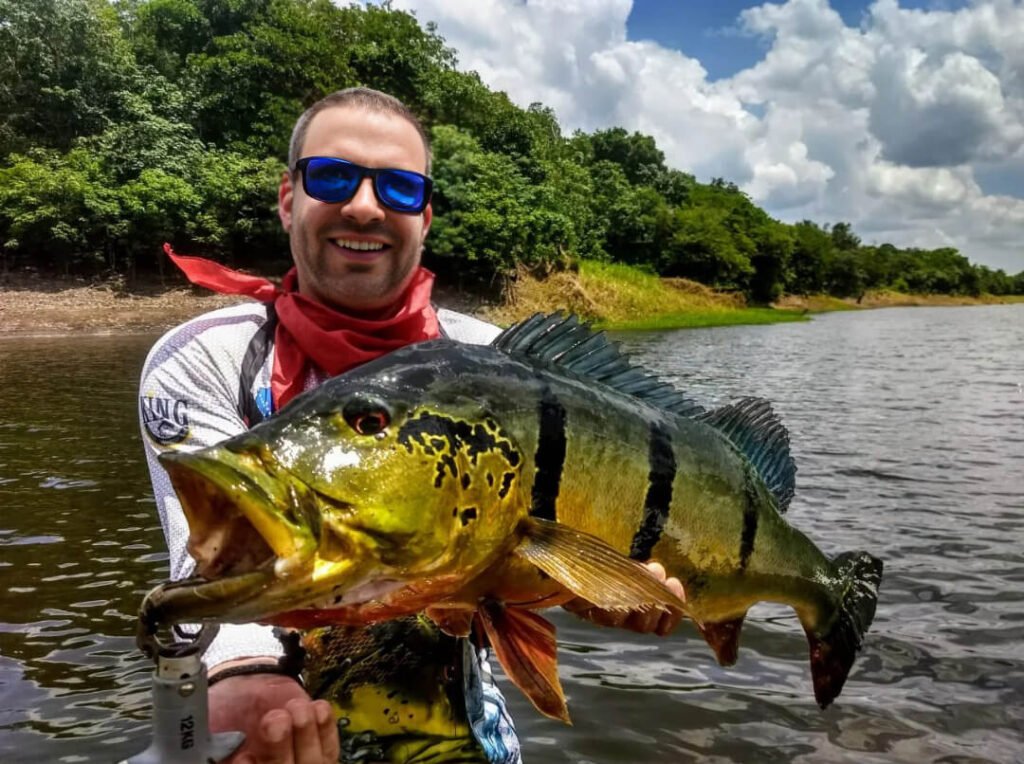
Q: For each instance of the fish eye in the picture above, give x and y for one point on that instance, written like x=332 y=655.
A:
x=366 y=416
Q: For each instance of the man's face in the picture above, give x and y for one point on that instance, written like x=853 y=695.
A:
x=328 y=241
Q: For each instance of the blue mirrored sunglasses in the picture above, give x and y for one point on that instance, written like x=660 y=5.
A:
x=333 y=180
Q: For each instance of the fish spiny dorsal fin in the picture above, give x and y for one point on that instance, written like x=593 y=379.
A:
x=752 y=426
x=562 y=341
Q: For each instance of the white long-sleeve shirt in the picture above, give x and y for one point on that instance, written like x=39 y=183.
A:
x=190 y=397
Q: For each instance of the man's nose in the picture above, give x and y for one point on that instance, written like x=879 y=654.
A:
x=363 y=207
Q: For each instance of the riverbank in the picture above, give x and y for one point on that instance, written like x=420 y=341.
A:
x=59 y=307
x=611 y=296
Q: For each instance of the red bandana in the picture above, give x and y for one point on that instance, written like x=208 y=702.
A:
x=309 y=333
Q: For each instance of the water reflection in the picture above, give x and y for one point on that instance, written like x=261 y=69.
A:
x=905 y=425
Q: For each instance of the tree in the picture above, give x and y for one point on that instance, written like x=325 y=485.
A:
x=58 y=213
x=164 y=33
x=773 y=250
x=489 y=217
x=65 y=72
x=637 y=154
x=251 y=84
x=813 y=247
x=844 y=239
x=703 y=248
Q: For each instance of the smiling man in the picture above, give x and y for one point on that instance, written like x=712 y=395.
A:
x=363 y=259
x=355 y=202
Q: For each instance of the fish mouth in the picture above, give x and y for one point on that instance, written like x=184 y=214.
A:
x=257 y=535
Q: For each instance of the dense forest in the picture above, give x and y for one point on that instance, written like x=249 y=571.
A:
x=129 y=123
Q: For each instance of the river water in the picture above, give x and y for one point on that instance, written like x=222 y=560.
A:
x=907 y=426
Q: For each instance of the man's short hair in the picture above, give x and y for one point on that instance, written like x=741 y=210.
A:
x=363 y=98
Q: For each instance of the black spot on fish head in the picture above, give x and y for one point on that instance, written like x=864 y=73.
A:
x=506 y=484
x=467 y=515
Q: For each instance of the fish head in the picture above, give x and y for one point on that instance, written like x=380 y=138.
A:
x=351 y=492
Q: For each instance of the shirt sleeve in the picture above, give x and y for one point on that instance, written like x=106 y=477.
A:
x=188 y=399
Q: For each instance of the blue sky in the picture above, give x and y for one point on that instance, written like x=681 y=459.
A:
x=904 y=118
x=708 y=31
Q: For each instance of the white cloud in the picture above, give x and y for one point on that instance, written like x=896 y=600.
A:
x=880 y=125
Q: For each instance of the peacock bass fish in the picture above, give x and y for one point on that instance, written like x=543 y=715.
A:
x=479 y=484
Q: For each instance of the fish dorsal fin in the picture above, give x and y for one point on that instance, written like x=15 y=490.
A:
x=752 y=426
x=561 y=340
x=524 y=644
x=591 y=569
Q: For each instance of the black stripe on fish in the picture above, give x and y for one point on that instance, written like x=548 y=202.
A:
x=749 y=523
x=662 y=460
x=550 y=458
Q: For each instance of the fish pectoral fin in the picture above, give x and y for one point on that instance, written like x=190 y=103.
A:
x=591 y=569
x=454 y=622
x=524 y=644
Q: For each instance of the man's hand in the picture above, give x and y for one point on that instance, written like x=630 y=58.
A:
x=660 y=622
x=282 y=724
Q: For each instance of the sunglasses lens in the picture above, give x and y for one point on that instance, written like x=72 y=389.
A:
x=331 y=180
x=402 y=191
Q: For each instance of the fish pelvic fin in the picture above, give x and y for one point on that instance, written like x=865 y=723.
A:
x=454 y=622
x=524 y=644
x=832 y=651
x=724 y=638
x=591 y=569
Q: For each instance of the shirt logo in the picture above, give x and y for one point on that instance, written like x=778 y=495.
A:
x=166 y=419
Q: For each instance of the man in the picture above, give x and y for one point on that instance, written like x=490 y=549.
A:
x=355 y=204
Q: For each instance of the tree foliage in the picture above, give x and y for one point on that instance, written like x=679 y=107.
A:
x=125 y=123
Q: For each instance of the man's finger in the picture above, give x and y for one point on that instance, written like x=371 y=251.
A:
x=276 y=731
x=327 y=727
x=657 y=570
x=643 y=621
x=305 y=732
x=675 y=586
x=668 y=622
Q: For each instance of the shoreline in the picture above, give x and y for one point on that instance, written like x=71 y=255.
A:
x=55 y=308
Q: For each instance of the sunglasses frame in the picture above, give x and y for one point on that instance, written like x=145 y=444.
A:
x=374 y=174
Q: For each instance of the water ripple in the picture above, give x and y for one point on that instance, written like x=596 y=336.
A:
x=905 y=426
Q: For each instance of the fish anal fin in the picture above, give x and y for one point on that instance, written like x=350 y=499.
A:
x=724 y=638
x=455 y=622
x=593 y=570
x=524 y=644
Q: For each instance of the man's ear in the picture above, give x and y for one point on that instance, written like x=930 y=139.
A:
x=428 y=216
x=285 y=195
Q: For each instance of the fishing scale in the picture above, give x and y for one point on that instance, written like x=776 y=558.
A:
x=180 y=725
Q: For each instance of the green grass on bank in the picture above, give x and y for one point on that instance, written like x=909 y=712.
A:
x=616 y=296
x=697 y=319
x=621 y=297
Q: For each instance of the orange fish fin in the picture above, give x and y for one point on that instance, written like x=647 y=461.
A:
x=524 y=644
x=452 y=621
x=724 y=638
x=591 y=569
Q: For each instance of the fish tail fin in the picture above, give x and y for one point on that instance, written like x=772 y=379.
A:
x=834 y=648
